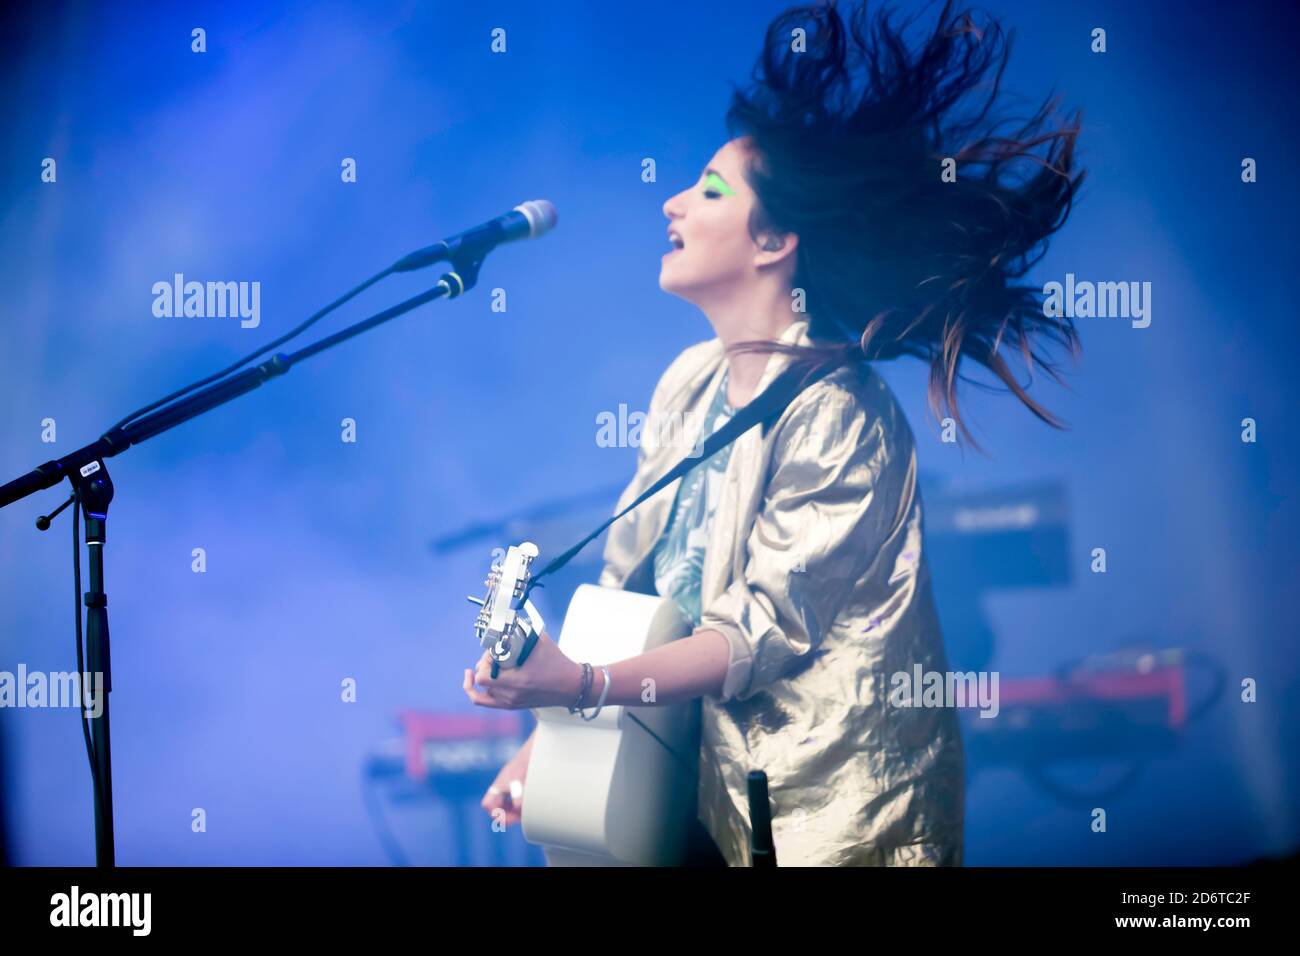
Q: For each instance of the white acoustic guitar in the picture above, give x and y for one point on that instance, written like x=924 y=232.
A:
x=618 y=790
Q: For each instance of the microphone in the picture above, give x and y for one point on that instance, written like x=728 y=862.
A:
x=529 y=220
x=762 y=851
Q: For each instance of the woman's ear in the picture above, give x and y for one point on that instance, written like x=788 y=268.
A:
x=775 y=247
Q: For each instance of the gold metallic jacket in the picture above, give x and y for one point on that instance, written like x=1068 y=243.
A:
x=816 y=574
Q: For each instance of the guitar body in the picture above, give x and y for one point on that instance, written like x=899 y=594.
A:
x=606 y=792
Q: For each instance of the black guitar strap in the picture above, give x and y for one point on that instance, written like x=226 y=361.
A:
x=766 y=408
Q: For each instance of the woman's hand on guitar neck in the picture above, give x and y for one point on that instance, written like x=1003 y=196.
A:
x=679 y=670
x=546 y=679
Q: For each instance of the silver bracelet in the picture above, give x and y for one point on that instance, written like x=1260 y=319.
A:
x=604 y=692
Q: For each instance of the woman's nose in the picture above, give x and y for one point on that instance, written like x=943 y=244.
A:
x=673 y=207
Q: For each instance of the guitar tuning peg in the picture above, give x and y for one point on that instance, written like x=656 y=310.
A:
x=473 y=600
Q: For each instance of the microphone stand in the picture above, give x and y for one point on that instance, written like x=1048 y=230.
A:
x=93 y=488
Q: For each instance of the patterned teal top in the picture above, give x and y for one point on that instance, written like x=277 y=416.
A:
x=679 y=554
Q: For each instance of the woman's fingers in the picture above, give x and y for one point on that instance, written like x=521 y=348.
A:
x=497 y=799
x=482 y=698
x=514 y=810
x=483 y=671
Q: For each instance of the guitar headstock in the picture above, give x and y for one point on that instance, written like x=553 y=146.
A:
x=507 y=624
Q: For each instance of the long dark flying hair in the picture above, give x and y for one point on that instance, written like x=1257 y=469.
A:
x=850 y=136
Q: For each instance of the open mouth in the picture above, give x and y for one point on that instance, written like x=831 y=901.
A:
x=676 y=240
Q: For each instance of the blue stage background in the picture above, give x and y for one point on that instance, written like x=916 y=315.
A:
x=225 y=166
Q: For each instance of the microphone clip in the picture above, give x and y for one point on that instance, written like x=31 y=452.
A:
x=463 y=275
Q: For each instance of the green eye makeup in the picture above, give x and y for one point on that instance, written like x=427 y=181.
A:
x=714 y=181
